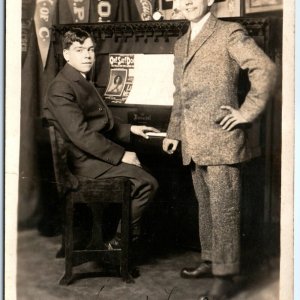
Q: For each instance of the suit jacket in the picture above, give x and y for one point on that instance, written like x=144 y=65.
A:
x=206 y=74
x=78 y=111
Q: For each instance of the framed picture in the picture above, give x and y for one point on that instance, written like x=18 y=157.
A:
x=257 y=6
x=229 y=8
x=166 y=4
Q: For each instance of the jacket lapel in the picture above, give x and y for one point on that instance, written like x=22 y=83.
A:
x=201 y=38
x=75 y=75
x=107 y=110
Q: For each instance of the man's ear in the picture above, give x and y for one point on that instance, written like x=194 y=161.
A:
x=210 y=2
x=66 y=54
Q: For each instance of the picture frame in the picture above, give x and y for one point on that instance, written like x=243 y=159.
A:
x=227 y=9
x=259 y=6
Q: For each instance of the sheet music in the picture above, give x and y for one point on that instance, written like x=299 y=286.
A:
x=120 y=78
x=153 y=80
x=145 y=79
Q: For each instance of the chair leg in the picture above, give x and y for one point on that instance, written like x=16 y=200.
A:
x=67 y=278
x=126 y=222
x=61 y=252
x=96 y=241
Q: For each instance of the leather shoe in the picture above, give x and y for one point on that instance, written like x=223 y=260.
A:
x=222 y=289
x=114 y=243
x=203 y=270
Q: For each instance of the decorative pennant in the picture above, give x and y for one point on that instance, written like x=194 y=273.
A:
x=43 y=18
x=26 y=26
x=28 y=7
x=79 y=10
x=145 y=9
x=104 y=10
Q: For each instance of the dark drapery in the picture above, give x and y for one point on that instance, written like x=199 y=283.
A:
x=34 y=82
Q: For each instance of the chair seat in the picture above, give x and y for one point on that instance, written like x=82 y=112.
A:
x=89 y=190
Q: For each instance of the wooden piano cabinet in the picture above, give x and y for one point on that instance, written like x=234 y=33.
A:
x=173 y=215
x=172 y=219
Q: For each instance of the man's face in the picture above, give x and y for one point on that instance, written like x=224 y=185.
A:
x=194 y=10
x=81 y=56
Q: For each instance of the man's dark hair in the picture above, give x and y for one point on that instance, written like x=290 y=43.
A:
x=75 y=35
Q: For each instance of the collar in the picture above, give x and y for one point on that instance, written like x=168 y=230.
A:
x=71 y=73
x=197 y=27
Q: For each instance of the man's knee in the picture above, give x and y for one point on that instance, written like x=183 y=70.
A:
x=147 y=179
x=154 y=183
x=149 y=186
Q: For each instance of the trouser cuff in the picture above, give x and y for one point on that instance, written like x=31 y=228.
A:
x=135 y=230
x=206 y=255
x=225 y=269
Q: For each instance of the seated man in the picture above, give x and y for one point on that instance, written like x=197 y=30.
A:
x=78 y=112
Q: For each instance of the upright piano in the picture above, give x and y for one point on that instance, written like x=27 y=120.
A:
x=173 y=216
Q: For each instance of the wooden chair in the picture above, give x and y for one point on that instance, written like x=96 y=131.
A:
x=72 y=190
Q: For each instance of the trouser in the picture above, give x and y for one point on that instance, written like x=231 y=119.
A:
x=218 y=193
x=143 y=189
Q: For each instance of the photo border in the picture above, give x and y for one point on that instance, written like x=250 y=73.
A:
x=11 y=80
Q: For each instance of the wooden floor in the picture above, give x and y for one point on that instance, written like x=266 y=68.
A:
x=39 y=272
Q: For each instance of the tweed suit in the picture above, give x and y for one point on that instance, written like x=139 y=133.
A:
x=96 y=143
x=206 y=72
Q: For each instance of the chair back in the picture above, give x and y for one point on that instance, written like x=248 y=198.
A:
x=65 y=180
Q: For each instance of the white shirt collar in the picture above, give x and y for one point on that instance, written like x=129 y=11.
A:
x=196 y=27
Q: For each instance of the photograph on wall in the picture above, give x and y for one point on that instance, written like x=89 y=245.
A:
x=258 y=6
x=228 y=8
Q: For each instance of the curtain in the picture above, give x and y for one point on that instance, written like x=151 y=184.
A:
x=33 y=85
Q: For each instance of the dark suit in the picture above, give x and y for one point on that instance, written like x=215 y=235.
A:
x=78 y=111
x=205 y=77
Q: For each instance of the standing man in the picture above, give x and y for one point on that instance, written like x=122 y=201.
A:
x=78 y=112
x=207 y=119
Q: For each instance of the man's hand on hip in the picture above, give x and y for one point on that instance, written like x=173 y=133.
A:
x=233 y=119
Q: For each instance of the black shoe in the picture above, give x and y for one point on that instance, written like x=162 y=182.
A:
x=203 y=270
x=223 y=288
x=114 y=243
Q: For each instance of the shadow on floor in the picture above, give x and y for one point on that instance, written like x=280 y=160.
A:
x=39 y=272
